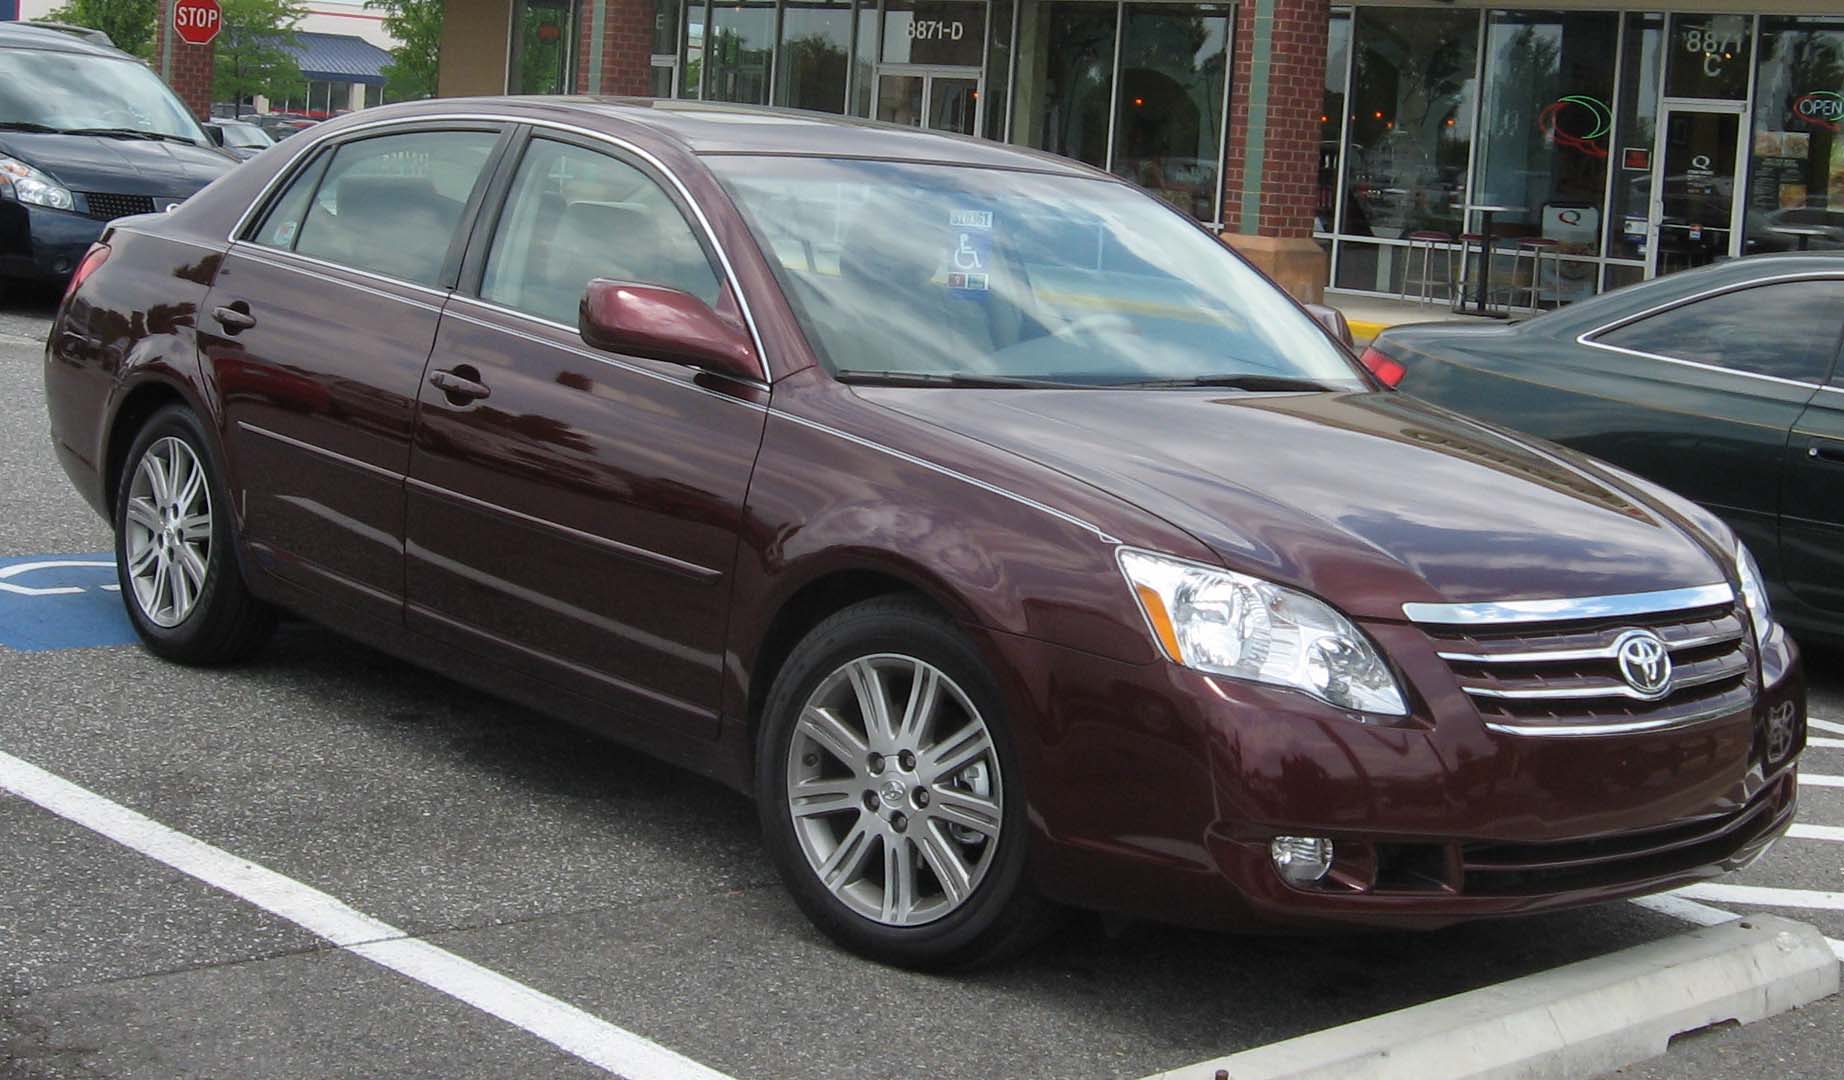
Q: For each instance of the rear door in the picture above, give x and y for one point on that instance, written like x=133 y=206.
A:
x=1709 y=391
x=573 y=512
x=316 y=331
x=1812 y=509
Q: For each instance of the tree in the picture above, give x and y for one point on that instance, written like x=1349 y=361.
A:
x=251 y=54
x=417 y=25
x=129 y=23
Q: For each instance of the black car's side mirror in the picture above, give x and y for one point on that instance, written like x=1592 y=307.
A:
x=216 y=135
x=664 y=324
x=1334 y=322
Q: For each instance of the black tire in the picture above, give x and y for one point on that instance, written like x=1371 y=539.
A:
x=224 y=621
x=1001 y=914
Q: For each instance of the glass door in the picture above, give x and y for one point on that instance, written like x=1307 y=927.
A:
x=939 y=101
x=1694 y=209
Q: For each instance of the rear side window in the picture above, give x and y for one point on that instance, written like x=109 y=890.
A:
x=575 y=214
x=1788 y=330
x=388 y=205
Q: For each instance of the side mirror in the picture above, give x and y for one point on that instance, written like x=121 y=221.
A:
x=1334 y=322
x=215 y=134
x=664 y=324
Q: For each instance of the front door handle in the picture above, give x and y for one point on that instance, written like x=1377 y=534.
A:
x=459 y=387
x=1833 y=454
x=234 y=319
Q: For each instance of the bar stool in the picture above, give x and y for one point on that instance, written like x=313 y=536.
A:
x=1539 y=249
x=1425 y=242
x=1468 y=279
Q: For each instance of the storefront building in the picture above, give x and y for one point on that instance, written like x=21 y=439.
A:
x=1316 y=137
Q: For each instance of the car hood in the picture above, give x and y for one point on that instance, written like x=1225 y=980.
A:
x=1372 y=500
x=119 y=166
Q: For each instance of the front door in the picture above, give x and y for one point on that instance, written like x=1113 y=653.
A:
x=1694 y=217
x=946 y=100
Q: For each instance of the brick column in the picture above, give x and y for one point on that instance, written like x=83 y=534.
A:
x=1271 y=175
x=186 y=68
x=616 y=47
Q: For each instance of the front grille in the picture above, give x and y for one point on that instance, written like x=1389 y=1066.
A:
x=1563 y=678
x=107 y=207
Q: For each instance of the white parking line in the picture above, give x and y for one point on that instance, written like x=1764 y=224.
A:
x=1824 y=743
x=1821 y=780
x=1764 y=896
x=559 y=1023
x=1825 y=725
x=1816 y=832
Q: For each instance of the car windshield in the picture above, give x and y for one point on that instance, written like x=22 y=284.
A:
x=247 y=136
x=64 y=91
x=948 y=274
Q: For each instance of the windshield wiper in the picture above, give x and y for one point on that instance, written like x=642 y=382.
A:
x=1238 y=382
x=128 y=133
x=26 y=125
x=929 y=378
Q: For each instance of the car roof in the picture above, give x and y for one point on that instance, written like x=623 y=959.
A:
x=24 y=35
x=723 y=128
x=1643 y=296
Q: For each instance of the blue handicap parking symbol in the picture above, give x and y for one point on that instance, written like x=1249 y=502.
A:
x=61 y=602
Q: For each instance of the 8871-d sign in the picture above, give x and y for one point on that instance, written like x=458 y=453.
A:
x=197 y=22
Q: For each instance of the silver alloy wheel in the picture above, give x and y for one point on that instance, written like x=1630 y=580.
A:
x=168 y=532
x=894 y=789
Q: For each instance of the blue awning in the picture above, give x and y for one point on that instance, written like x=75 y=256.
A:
x=339 y=58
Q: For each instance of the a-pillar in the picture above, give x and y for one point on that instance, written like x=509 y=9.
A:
x=1271 y=176
x=615 y=49
x=186 y=68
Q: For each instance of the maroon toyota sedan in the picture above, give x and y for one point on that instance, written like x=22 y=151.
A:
x=1012 y=542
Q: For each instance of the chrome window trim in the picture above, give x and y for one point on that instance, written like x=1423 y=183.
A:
x=1067 y=518
x=1586 y=337
x=1571 y=608
x=247 y=250
x=583 y=351
x=723 y=256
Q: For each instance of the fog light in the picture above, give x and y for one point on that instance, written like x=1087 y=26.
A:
x=1301 y=860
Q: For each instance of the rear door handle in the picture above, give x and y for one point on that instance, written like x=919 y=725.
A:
x=1833 y=454
x=233 y=320
x=458 y=387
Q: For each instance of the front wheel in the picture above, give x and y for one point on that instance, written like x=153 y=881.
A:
x=889 y=791
x=180 y=581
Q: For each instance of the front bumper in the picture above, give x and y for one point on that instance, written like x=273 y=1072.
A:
x=43 y=244
x=1155 y=791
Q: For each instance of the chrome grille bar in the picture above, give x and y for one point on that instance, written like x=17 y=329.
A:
x=1599 y=652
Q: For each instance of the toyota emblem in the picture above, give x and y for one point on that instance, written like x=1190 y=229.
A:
x=1645 y=663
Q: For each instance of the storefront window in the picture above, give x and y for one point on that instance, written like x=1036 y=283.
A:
x=1796 y=179
x=741 y=48
x=1709 y=56
x=1412 y=89
x=1066 y=74
x=541 y=53
x=691 y=72
x=998 y=68
x=665 y=27
x=1332 y=116
x=1545 y=129
x=816 y=42
x=1635 y=136
x=1168 y=129
x=864 y=75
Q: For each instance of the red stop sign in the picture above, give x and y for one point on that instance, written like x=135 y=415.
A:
x=197 y=22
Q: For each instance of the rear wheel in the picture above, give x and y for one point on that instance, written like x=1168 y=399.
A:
x=889 y=791
x=180 y=581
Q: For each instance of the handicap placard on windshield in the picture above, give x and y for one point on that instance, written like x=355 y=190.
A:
x=61 y=602
x=969 y=262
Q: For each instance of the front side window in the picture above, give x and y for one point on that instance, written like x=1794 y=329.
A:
x=390 y=205
x=575 y=214
x=945 y=271
x=1787 y=330
x=73 y=92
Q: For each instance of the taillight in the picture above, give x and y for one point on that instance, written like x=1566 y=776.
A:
x=93 y=258
x=1383 y=367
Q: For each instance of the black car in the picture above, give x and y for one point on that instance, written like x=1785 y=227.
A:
x=1721 y=383
x=241 y=138
x=87 y=134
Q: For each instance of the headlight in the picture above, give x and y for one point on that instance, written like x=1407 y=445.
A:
x=1232 y=624
x=1754 y=593
x=31 y=186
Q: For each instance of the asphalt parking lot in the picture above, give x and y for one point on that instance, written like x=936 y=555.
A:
x=606 y=888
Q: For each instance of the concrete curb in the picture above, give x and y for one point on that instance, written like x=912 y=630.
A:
x=1575 y=1022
